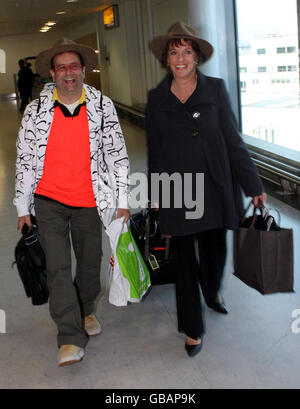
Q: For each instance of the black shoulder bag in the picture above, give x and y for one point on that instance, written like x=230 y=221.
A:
x=31 y=264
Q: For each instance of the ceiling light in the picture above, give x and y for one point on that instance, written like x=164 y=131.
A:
x=61 y=12
x=71 y=1
x=50 y=23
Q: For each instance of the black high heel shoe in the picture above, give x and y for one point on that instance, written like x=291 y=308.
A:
x=193 y=350
x=218 y=307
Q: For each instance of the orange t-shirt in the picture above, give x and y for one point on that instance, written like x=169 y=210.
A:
x=67 y=169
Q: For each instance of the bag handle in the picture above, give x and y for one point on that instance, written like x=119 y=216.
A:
x=254 y=214
x=265 y=212
x=148 y=233
x=246 y=211
x=278 y=215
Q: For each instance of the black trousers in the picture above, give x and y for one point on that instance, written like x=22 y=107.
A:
x=70 y=301
x=189 y=273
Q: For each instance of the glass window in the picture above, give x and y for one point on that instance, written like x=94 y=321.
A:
x=261 y=51
x=243 y=85
x=268 y=31
x=281 y=50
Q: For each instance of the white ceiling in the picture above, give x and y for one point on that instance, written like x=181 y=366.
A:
x=19 y=17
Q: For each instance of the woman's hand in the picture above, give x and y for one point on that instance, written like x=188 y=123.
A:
x=257 y=200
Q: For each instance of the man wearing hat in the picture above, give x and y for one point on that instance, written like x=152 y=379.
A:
x=71 y=162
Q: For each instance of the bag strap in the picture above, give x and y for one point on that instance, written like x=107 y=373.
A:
x=278 y=214
x=246 y=211
x=265 y=213
x=167 y=251
x=254 y=215
x=147 y=236
x=34 y=248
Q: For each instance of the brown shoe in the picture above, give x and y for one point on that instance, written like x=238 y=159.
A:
x=69 y=354
x=92 y=325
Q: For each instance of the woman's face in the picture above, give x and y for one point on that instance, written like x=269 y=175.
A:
x=182 y=60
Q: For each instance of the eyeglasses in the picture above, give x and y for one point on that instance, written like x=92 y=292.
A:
x=75 y=66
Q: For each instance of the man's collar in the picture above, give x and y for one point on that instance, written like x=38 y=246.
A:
x=55 y=97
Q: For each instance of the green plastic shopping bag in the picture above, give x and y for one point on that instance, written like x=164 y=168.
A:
x=129 y=276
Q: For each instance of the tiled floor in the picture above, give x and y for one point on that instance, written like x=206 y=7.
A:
x=252 y=347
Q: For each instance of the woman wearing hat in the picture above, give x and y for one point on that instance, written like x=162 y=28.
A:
x=191 y=130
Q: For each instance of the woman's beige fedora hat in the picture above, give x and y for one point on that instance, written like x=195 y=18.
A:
x=180 y=30
x=42 y=62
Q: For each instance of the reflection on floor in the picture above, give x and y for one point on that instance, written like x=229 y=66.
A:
x=252 y=347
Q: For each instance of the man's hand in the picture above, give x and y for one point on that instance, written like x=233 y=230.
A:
x=24 y=220
x=259 y=199
x=125 y=213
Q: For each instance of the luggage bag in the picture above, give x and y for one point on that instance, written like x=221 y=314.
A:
x=31 y=264
x=155 y=248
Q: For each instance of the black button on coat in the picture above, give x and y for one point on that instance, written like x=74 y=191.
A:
x=181 y=142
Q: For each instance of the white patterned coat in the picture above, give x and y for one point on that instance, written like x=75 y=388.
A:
x=109 y=159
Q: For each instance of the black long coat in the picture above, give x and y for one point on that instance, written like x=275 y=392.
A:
x=180 y=140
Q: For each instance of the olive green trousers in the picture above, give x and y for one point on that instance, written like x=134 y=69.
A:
x=70 y=300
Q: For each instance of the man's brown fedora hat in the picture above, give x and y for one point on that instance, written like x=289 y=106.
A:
x=180 y=30
x=42 y=63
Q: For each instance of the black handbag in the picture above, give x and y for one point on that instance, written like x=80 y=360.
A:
x=155 y=248
x=31 y=264
x=263 y=253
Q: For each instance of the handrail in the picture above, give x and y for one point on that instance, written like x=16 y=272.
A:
x=277 y=172
x=130 y=109
x=276 y=166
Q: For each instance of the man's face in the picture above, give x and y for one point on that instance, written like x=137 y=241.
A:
x=68 y=73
